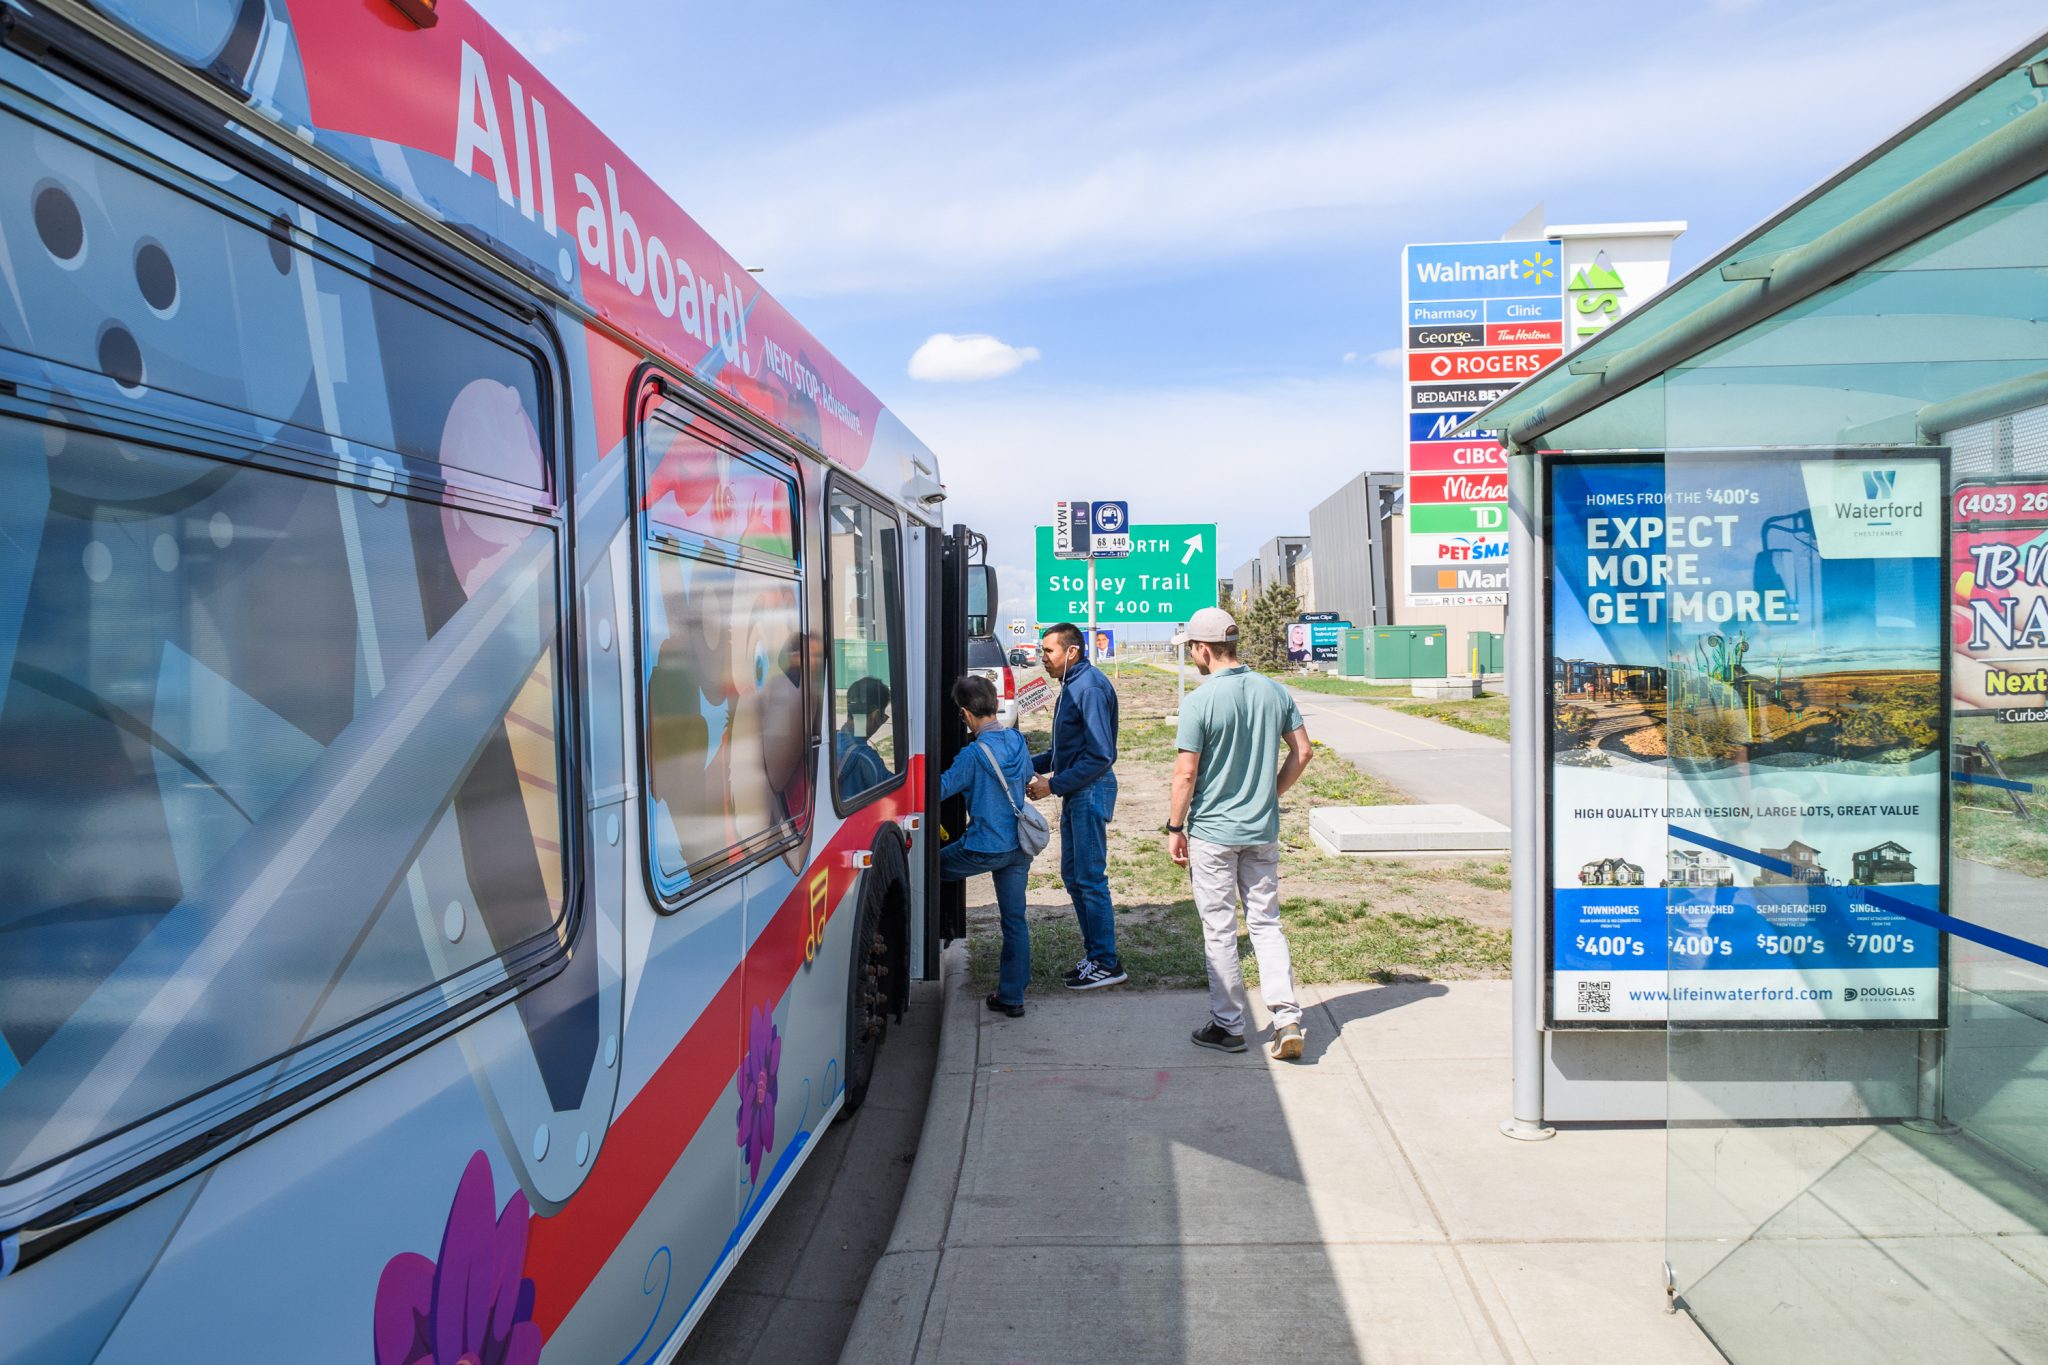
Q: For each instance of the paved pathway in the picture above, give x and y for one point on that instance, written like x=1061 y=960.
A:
x=1432 y=762
x=1090 y=1186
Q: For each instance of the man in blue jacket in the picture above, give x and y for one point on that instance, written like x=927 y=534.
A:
x=1080 y=768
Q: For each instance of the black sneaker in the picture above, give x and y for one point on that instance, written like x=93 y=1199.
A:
x=1213 y=1034
x=1005 y=1007
x=1093 y=976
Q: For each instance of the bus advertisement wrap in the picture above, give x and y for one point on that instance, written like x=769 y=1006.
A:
x=1747 y=736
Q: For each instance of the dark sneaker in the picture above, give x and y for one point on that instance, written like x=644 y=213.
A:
x=1005 y=1007
x=1091 y=976
x=1213 y=1034
x=1287 y=1043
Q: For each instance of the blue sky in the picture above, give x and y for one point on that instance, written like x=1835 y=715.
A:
x=1182 y=221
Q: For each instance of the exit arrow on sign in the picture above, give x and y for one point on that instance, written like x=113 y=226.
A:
x=1194 y=544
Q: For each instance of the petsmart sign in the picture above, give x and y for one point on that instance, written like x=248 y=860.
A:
x=1748 y=738
x=1479 y=318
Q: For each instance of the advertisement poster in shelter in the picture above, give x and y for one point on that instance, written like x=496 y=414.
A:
x=1748 y=727
x=1998 y=667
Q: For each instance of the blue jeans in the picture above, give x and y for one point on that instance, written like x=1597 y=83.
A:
x=1084 y=864
x=957 y=864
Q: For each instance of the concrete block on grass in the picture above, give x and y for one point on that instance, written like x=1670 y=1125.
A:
x=1405 y=829
x=1456 y=688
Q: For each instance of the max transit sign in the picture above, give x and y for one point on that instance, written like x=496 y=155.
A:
x=1748 y=734
x=1478 y=318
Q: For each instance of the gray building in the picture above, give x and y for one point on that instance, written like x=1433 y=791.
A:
x=1355 y=573
x=1274 y=563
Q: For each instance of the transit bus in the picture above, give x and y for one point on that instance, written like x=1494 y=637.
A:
x=468 y=748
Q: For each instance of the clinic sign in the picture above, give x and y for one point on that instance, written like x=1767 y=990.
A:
x=1478 y=318
x=1748 y=735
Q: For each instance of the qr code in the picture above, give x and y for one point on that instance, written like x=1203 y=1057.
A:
x=1596 y=997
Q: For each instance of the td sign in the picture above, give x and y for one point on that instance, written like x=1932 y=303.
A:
x=1169 y=575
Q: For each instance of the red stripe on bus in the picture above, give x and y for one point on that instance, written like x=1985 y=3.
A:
x=565 y=1252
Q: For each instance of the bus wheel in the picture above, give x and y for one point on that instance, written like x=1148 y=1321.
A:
x=868 y=991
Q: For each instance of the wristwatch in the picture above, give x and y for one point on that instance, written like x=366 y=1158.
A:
x=1172 y=828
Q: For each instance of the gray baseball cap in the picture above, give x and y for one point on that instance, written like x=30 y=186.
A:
x=1209 y=626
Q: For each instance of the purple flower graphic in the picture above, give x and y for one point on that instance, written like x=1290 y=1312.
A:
x=474 y=1307
x=756 y=1085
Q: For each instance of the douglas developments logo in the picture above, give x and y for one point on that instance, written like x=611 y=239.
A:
x=1852 y=994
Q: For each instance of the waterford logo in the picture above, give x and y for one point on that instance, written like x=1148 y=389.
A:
x=1880 y=483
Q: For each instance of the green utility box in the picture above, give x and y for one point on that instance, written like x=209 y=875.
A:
x=1351 y=652
x=1396 y=652
x=860 y=659
x=1485 y=652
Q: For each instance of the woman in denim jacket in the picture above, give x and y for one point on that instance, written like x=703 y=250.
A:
x=990 y=843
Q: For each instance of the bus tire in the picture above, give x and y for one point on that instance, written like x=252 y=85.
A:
x=873 y=958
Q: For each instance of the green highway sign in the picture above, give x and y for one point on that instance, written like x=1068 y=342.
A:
x=1169 y=575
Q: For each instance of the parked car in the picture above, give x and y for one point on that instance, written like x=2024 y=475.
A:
x=1021 y=657
x=985 y=658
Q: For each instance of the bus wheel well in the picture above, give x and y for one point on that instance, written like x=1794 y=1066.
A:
x=878 y=963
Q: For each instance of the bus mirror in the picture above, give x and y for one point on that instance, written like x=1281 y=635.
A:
x=981 y=600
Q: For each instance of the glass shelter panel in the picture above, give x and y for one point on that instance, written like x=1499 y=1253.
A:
x=1823 y=1202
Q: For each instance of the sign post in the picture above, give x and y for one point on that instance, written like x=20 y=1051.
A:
x=1180 y=672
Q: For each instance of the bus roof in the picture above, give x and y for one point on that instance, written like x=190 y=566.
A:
x=432 y=103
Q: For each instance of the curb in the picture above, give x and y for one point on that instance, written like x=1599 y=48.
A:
x=890 y=1321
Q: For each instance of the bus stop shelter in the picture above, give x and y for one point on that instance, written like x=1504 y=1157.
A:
x=1779 y=630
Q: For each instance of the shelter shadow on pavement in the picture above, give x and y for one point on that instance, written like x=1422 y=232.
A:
x=1090 y=1186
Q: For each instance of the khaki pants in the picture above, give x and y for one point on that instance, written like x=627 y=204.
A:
x=1222 y=873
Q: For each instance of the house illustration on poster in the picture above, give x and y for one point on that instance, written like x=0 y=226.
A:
x=1889 y=862
x=1698 y=867
x=1610 y=872
x=1806 y=869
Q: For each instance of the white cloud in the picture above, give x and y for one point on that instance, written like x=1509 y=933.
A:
x=1253 y=459
x=1351 y=357
x=948 y=359
x=1389 y=359
x=1196 y=149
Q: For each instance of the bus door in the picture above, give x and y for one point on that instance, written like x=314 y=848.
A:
x=965 y=594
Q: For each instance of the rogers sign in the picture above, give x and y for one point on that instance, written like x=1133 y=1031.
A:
x=1424 y=366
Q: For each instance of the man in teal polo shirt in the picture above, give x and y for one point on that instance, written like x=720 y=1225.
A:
x=1224 y=826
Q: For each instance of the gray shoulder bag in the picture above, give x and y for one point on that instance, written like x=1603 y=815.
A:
x=1033 y=833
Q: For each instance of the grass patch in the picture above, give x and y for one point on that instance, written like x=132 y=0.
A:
x=1332 y=780
x=1334 y=940
x=1483 y=715
x=1149 y=740
x=1330 y=939
x=1160 y=954
x=2000 y=838
x=1333 y=686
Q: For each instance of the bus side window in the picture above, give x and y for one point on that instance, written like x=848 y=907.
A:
x=723 y=651
x=281 y=774
x=276 y=749
x=865 y=580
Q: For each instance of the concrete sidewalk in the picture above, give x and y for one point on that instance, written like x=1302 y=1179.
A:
x=1090 y=1186
x=1432 y=762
